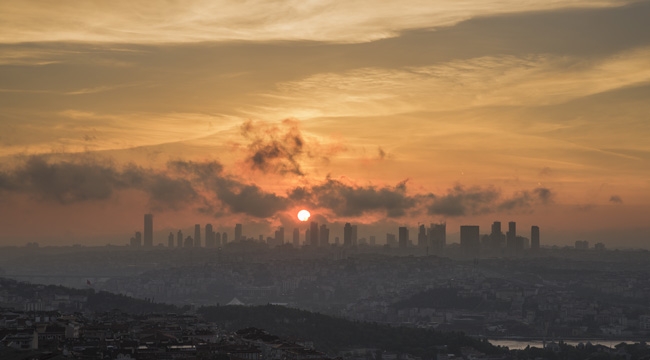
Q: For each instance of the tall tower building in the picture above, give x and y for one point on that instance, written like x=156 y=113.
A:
x=422 y=237
x=496 y=236
x=217 y=239
x=313 y=234
x=355 y=235
x=347 y=234
x=238 y=232
x=403 y=237
x=438 y=238
x=373 y=240
x=170 y=240
x=307 y=237
x=148 y=230
x=296 y=237
x=470 y=240
x=197 y=235
x=534 y=237
x=324 y=236
x=279 y=236
x=511 y=236
x=179 y=239
x=224 y=238
x=209 y=236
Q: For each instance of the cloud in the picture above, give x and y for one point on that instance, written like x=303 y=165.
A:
x=615 y=199
x=460 y=201
x=123 y=21
x=207 y=188
x=346 y=200
x=487 y=81
x=274 y=148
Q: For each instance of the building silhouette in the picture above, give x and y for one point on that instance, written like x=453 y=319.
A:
x=238 y=232
x=136 y=240
x=209 y=236
x=197 y=235
x=324 y=235
x=470 y=240
x=437 y=238
x=391 y=240
x=422 y=238
x=511 y=236
x=373 y=240
x=189 y=242
x=170 y=240
x=355 y=235
x=217 y=239
x=224 y=238
x=313 y=233
x=347 y=234
x=534 y=237
x=148 y=230
x=279 y=236
x=497 y=238
x=179 y=239
x=403 y=237
x=296 y=237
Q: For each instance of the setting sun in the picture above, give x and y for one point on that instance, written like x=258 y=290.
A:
x=303 y=215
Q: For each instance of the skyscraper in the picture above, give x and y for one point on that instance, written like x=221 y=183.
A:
x=296 y=237
x=217 y=239
x=313 y=234
x=148 y=230
x=470 y=240
x=347 y=234
x=279 y=236
x=354 y=235
x=324 y=236
x=197 y=235
x=422 y=237
x=403 y=237
x=511 y=235
x=170 y=240
x=373 y=240
x=179 y=239
x=238 y=232
x=437 y=238
x=534 y=237
x=224 y=238
x=209 y=236
x=496 y=236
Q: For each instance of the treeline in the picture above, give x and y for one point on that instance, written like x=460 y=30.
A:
x=334 y=334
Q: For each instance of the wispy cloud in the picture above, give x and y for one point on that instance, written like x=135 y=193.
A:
x=202 y=20
x=457 y=85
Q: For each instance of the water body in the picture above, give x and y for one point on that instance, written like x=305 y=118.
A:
x=519 y=344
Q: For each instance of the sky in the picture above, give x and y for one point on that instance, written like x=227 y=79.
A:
x=382 y=113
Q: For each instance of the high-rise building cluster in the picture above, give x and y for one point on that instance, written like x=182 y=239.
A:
x=471 y=242
x=431 y=240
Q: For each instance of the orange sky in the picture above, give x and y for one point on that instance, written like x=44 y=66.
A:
x=381 y=113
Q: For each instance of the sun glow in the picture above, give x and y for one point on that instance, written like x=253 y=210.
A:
x=303 y=215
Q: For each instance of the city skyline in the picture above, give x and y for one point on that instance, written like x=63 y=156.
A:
x=380 y=116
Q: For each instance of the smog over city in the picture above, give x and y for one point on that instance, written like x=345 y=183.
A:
x=355 y=180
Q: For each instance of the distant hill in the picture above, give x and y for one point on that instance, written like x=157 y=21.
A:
x=333 y=334
x=96 y=301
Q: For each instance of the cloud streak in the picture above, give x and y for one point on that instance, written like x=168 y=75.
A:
x=201 y=20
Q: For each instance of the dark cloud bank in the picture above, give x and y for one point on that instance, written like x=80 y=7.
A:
x=206 y=187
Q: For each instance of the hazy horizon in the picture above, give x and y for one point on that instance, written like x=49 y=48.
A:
x=382 y=116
